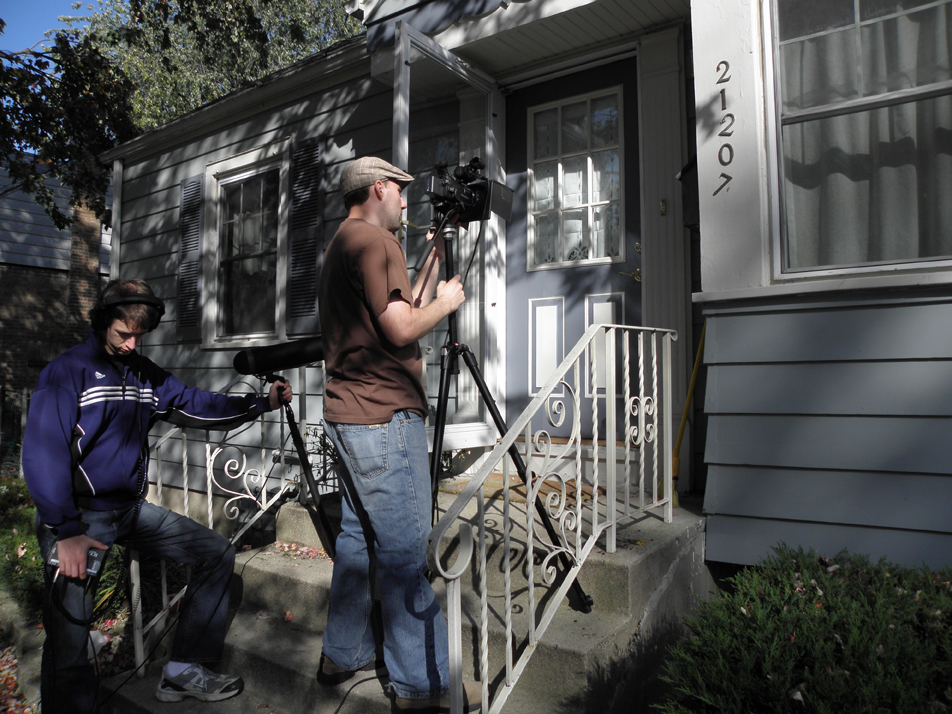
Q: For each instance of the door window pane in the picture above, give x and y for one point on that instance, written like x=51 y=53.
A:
x=576 y=184
x=575 y=230
x=547 y=231
x=605 y=121
x=575 y=179
x=607 y=230
x=607 y=176
x=574 y=128
x=546 y=133
x=544 y=188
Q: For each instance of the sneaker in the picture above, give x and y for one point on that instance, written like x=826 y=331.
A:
x=196 y=681
x=330 y=675
x=472 y=700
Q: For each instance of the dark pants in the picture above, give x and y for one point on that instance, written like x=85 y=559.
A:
x=69 y=682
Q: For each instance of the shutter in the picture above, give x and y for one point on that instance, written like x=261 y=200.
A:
x=306 y=236
x=190 y=260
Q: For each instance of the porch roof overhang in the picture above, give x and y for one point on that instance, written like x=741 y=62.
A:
x=515 y=42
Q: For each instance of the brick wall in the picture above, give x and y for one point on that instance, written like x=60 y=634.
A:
x=43 y=312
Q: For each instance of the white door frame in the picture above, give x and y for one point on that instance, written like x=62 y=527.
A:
x=411 y=45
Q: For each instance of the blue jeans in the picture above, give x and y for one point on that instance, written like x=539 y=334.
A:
x=68 y=680
x=385 y=484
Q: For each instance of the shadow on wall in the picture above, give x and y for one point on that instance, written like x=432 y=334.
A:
x=44 y=311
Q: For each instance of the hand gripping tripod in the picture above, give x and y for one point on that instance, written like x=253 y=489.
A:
x=449 y=365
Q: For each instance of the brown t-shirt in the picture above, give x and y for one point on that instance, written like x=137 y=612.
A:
x=368 y=377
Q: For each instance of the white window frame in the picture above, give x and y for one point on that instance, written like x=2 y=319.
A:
x=248 y=163
x=897 y=272
x=530 y=160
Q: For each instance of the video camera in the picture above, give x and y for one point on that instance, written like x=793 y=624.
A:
x=468 y=194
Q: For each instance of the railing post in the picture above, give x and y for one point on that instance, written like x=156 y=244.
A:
x=610 y=434
x=138 y=634
x=668 y=425
x=209 y=474
x=455 y=615
x=185 y=473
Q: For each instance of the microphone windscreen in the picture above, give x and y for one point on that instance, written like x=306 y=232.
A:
x=274 y=358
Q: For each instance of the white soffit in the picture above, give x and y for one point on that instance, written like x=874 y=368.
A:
x=522 y=35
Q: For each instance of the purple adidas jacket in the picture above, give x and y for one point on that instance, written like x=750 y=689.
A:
x=88 y=426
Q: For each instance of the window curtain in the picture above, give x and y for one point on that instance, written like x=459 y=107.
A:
x=874 y=185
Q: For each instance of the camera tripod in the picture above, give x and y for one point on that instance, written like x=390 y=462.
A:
x=449 y=365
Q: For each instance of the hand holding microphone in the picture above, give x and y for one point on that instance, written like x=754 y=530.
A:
x=280 y=392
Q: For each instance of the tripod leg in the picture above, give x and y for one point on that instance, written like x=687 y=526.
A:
x=584 y=601
x=448 y=366
x=323 y=524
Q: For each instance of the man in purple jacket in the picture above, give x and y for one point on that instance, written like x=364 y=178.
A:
x=85 y=460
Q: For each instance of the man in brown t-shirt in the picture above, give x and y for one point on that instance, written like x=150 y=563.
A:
x=374 y=410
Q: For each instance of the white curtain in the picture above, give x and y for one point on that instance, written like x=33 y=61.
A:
x=874 y=185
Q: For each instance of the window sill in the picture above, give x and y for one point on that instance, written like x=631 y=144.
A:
x=832 y=284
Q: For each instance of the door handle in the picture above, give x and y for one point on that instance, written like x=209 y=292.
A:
x=636 y=275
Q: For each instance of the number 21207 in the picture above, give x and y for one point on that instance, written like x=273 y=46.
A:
x=725 y=154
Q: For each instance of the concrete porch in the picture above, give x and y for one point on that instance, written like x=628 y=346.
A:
x=604 y=661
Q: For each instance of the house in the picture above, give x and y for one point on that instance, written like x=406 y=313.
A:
x=825 y=176
x=49 y=279
x=580 y=108
x=817 y=250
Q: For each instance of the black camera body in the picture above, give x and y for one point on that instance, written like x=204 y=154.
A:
x=468 y=194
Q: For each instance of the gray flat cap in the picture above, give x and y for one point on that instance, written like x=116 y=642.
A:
x=366 y=171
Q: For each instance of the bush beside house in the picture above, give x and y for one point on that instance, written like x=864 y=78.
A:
x=805 y=633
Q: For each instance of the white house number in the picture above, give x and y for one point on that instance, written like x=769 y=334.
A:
x=725 y=154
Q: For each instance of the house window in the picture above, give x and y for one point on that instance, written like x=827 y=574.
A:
x=248 y=252
x=576 y=182
x=864 y=92
x=251 y=235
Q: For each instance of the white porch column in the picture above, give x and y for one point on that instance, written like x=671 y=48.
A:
x=666 y=266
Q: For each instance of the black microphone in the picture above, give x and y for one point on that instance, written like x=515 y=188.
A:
x=274 y=358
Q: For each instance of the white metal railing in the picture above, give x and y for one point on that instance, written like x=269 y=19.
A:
x=618 y=369
x=244 y=488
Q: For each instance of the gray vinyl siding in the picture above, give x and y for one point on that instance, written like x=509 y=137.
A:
x=350 y=116
x=830 y=426
x=353 y=118
x=27 y=235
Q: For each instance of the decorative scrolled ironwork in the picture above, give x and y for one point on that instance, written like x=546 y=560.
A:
x=556 y=502
x=252 y=481
x=642 y=431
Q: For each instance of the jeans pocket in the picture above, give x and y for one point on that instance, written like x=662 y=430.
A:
x=366 y=448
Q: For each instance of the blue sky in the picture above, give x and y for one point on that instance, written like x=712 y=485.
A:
x=27 y=20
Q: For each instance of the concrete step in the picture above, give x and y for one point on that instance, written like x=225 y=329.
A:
x=653 y=577
x=137 y=696
x=274 y=641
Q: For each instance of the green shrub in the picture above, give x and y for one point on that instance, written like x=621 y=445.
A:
x=21 y=572
x=804 y=633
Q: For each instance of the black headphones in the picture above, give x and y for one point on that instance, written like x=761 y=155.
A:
x=99 y=315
